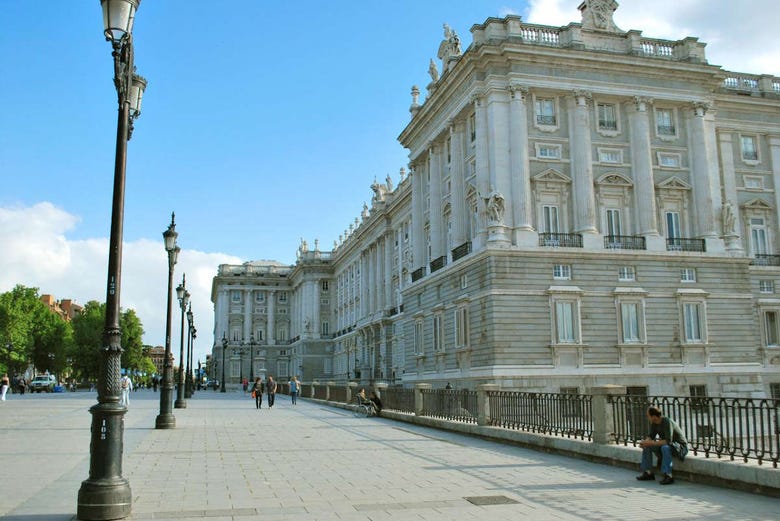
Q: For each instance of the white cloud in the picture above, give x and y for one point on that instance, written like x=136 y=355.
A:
x=738 y=35
x=36 y=252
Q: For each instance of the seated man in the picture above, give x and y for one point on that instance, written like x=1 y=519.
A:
x=663 y=432
x=376 y=403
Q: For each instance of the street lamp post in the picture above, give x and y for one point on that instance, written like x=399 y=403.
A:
x=184 y=298
x=166 y=420
x=224 y=348
x=188 y=381
x=194 y=387
x=106 y=494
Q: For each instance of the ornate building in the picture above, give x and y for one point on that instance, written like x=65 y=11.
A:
x=585 y=205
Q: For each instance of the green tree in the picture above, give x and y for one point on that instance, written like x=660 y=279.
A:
x=31 y=333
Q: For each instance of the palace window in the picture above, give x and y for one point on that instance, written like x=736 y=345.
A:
x=462 y=326
x=325 y=328
x=235 y=296
x=626 y=273
x=438 y=332
x=669 y=160
x=545 y=111
x=694 y=322
x=758 y=240
x=550 y=216
x=472 y=127
x=771 y=332
x=607 y=113
x=749 y=148
x=548 y=151
x=664 y=122
x=259 y=296
x=610 y=155
x=688 y=275
x=418 y=337
x=613 y=227
x=562 y=272
x=282 y=296
x=566 y=321
x=325 y=285
x=672 y=225
x=766 y=286
x=631 y=321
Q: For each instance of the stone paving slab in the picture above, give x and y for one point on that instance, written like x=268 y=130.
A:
x=225 y=460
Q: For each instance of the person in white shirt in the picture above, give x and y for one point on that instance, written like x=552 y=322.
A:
x=125 y=386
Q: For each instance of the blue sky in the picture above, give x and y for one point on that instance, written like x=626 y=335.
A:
x=263 y=122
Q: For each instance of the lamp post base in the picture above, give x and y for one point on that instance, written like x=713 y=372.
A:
x=102 y=500
x=179 y=404
x=165 y=421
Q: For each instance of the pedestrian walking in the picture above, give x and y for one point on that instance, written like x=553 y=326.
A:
x=257 y=393
x=125 y=385
x=295 y=388
x=4 y=384
x=270 y=388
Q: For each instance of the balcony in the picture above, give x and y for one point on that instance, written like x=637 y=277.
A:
x=666 y=130
x=542 y=119
x=461 y=251
x=437 y=264
x=418 y=274
x=680 y=244
x=624 y=242
x=557 y=240
x=765 y=260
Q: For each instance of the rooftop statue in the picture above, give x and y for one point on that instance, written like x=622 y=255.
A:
x=597 y=15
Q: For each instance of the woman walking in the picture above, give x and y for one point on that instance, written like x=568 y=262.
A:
x=257 y=392
x=4 y=384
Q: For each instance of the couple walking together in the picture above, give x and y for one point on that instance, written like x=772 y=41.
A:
x=268 y=387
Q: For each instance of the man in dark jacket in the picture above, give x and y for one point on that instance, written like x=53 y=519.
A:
x=658 y=442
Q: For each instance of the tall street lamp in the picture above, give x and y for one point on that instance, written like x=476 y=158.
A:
x=188 y=381
x=192 y=362
x=166 y=420
x=106 y=494
x=224 y=348
x=184 y=298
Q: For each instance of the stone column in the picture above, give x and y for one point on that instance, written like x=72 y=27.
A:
x=316 y=324
x=482 y=164
x=729 y=180
x=774 y=156
x=271 y=317
x=642 y=161
x=434 y=191
x=418 y=398
x=351 y=391
x=520 y=168
x=483 y=403
x=583 y=198
x=248 y=305
x=459 y=211
x=418 y=219
x=222 y=311
x=603 y=419
x=704 y=174
x=388 y=242
x=498 y=159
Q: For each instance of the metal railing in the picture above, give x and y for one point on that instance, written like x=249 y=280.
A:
x=725 y=427
x=461 y=251
x=565 y=240
x=765 y=260
x=624 y=242
x=567 y=415
x=437 y=264
x=418 y=274
x=338 y=393
x=454 y=405
x=398 y=399
x=680 y=244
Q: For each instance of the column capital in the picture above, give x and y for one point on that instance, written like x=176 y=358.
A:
x=582 y=97
x=641 y=103
x=700 y=108
x=518 y=91
x=477 y=99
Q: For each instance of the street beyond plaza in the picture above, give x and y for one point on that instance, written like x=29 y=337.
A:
x=226 y=460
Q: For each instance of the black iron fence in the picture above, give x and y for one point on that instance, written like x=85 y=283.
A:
x=680 y=244
x=765 y=260
x=624 y=242
x=567 y=415
x=450 y=404
x=564 y=240
x=398 y=399
x=438 y=264
x=725 y=427
x=418 y=274
x=461 y=251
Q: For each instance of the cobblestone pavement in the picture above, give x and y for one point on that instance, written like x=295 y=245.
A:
x=225 y=460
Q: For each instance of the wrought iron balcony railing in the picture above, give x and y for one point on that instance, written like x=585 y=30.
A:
x=461 y=251
x=624 y=242
x=681 y=244
x=564 y=240
x=765 y=260
x=437 y=264
x=418 y=274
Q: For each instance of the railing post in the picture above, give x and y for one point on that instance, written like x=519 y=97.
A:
x=418 y=398
x=483 y=403
x=327 y=390
x=351 y=386
x=314 y=385
x=380 y=388
x=603 y=419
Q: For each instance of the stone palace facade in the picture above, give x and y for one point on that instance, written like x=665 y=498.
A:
x=584 y=206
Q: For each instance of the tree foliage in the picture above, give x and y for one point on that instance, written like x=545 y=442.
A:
x=31 y=333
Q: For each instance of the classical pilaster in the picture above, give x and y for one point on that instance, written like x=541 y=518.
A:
x=704 y=170
x=499 y=219
x=248 y=304
x=731 y=233
x=583 y=197
x=222 y=312
x=316 y=324
x=520 y=168
x=271 y=333
x=457 y=177
x=418 y=240
x=482 y=164
x=774 y=155
x=434 y=191
x=642 y=165
x=387 y=240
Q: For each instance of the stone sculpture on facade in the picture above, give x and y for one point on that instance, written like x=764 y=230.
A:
x=379 y=191
x=495 y=208
x=448 y=48
x=597 y=14
x=433 y=71
x=389 y=183
x=729 y=220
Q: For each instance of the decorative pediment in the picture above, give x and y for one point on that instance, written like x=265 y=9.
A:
x=614 y=179
x=758 y=204
x=673 y=183
x=551 y=175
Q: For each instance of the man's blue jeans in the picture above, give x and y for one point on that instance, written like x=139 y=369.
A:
x=663 y=452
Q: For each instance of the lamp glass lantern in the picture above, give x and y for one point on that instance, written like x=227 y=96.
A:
x=137 y=88
x=118 y=18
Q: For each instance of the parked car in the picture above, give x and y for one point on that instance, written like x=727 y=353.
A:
x=43 y=383
x=212 y=384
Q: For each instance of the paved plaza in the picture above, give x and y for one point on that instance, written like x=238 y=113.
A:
x=226 y=460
